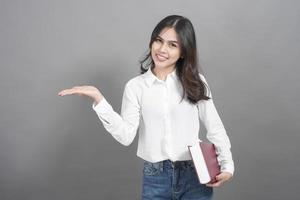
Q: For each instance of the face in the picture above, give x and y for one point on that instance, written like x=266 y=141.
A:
x=165 y=49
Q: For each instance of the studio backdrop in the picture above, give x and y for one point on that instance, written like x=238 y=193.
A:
x=54 y=147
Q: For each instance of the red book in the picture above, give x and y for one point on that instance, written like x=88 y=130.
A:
x=205 y=161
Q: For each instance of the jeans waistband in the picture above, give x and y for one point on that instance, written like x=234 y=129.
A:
x=177 y=164
x=168 y=164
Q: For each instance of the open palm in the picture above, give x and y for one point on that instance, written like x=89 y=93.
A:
x=85 y=90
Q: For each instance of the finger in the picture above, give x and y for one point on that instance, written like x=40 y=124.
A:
x=61 y=93
x=219 y=177
x=69 y=92
x=223 y=176
x=64 y=91
x=216 y=184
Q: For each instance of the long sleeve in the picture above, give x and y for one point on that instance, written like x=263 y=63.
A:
x=216 y=132
x=122 y=127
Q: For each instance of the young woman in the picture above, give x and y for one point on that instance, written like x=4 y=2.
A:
x=164 y=105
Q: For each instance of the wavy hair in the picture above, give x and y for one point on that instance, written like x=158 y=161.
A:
x=194 y=89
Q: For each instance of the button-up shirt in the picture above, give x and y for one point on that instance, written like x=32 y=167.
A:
x=166 y=127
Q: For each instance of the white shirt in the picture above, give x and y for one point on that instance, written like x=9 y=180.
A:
x=151 y=107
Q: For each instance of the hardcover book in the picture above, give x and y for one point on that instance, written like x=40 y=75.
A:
x=205 y=161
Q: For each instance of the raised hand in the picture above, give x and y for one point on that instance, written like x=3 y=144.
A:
x=85 y=90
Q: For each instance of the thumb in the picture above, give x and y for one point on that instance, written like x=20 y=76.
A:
x=219 y=176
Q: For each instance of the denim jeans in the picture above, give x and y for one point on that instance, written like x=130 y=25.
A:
x=167 y=180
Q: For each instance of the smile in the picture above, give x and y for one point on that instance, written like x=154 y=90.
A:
x=161 y=58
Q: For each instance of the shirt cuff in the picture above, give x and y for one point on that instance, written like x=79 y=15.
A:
x=101 y=107
x=228 y=168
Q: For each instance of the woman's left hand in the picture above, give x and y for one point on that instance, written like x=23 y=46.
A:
x=221 y=178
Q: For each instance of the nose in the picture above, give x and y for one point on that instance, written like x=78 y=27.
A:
x=163 y=47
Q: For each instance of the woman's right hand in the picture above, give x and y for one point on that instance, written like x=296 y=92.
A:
x=86 y=90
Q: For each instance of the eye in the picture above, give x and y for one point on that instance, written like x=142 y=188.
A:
x=173 y=45
x=158 y=40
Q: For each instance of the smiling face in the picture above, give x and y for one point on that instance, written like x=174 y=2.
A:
x=165 y=49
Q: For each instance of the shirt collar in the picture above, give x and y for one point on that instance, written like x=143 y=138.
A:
x=150 y=78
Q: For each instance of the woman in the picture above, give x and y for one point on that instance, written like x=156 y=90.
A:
x=164 y=104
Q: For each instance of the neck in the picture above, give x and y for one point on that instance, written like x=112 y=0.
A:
x=162 y=73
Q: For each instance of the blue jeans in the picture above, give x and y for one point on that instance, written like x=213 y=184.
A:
x=167 y=180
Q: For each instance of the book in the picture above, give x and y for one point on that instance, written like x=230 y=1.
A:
x=205 y=161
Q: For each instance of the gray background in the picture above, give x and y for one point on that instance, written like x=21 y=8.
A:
x=55 y=147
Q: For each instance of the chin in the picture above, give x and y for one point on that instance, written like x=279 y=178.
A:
x=160 y=65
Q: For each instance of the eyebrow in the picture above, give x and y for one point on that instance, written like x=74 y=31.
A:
x=169 y=40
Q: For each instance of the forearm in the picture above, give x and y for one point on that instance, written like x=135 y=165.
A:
x=123 y=129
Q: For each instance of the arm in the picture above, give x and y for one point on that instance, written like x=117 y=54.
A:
x=122 y=127
x=216 y=132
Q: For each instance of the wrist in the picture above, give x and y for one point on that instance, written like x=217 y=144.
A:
x=98 y=99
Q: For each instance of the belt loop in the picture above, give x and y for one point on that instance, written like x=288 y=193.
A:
x=161 y=166
x=184 y=165
x=187 y=164
x=171 y=163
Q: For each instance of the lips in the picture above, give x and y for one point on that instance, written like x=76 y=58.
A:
x=161 y=57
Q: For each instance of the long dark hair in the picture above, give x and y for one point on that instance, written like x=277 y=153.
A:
x=194 y=89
